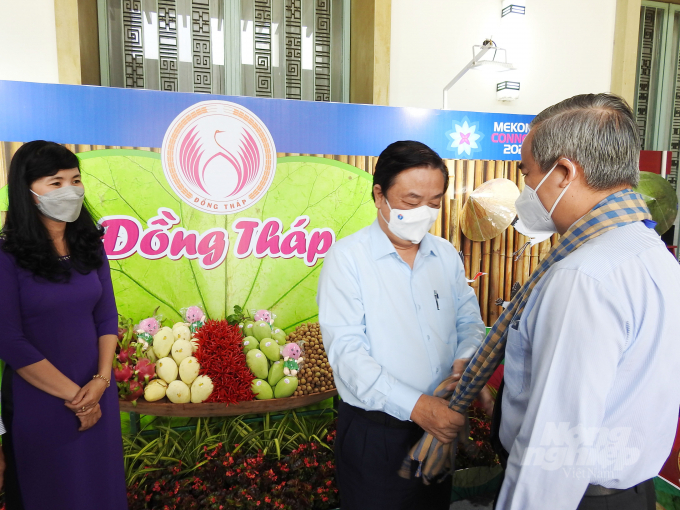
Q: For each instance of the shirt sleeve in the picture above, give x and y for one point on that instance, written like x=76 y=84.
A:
x=577 y=335
x=469 y=325
x=15 y=349
x=105 y=312
x=343 y=324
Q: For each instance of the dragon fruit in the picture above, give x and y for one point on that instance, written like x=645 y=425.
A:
x=145 y=369
x=123 y=372
x=135 y=390
x=126 y=355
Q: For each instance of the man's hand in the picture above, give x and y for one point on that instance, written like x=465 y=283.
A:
x=459 y=367
x=487 y=401
x=434 y=416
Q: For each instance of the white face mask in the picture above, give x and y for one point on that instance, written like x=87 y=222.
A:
x=533 y=213
x=63 y=204
x=411 y=224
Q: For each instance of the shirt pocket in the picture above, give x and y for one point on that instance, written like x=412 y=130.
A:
x=514 y=361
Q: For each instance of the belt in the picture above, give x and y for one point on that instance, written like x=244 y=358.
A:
x=598 y=490
x=381 y=418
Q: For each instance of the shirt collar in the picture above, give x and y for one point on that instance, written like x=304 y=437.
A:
x=381 y=244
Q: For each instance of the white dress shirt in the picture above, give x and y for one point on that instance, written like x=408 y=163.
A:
x=392 y=333
x=591 y=373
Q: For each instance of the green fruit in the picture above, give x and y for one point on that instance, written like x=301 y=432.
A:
x=280 y=337
x=275 y=373
x=262 y=330
x=257 y=363
x=660 y=198
x=271 y=349
x=250 y=343
x=261 y=389
x=248 y=323
x=286 y=387
x=247 y=329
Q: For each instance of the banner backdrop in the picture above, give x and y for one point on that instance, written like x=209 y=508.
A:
x=140 y=118
x=219 y=218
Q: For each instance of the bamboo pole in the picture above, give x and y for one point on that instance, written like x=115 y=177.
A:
x=485 y=281
x=456 y=204
x=476 y=257
x=469 y=176
x=496 y=277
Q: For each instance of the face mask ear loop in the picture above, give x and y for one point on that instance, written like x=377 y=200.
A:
x=382 y=215
x=546 y=176
x=559 y=198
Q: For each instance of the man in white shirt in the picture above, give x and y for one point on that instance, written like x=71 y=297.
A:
x=396 y=314
x=591 y=396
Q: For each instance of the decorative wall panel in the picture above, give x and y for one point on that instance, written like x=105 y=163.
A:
x=132 y=44
x=168 y=45
x=293 y=49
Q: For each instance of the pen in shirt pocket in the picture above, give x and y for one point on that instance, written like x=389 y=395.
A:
x=436 y=299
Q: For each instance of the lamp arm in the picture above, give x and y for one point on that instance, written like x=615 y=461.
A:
x=469 y=66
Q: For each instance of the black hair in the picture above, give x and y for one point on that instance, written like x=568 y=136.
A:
x=400 y=156
x=24 y=234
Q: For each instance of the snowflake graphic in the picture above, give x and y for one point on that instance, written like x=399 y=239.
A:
x=464 y=137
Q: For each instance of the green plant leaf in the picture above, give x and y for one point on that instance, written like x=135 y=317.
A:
x=129 y=182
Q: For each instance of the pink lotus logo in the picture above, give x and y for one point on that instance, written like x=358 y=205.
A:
x=219 y=157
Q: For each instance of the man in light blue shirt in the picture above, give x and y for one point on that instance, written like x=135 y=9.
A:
x=396 y=315
x=591 y=393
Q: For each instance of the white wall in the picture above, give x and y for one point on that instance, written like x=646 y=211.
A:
x=568 y=47
x=28 y=41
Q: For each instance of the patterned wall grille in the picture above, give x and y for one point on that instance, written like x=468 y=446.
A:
x=167 y=44
x=293 y=49
x=263 y=48
x=134 y=51
x=646 y=58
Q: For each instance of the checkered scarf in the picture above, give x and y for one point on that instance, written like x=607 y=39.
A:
x=436 y=459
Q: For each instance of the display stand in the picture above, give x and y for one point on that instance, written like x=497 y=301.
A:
x=166 y=408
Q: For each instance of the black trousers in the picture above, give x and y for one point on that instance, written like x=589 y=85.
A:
x=640 y=497
x=368 y=456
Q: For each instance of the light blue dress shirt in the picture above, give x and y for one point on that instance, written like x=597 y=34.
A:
x=392 y=333
x=591 y=373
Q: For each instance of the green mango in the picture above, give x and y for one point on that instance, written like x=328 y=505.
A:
x=286 y=387
x=280 y=337
x=247 y=329
x=248 y=323
x=275 y=373
x=262 y=330
x=257 y=363
x=250 y=343
x=271 y=349
x=261 y=389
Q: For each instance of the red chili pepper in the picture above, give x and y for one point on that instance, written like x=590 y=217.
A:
x=221 y=357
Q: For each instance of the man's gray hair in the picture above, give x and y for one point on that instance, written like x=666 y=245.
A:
x=596 y=130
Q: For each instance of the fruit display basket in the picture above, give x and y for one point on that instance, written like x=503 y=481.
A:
x=166 y=408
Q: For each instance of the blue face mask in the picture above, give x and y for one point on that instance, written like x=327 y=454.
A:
x=63 y=204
